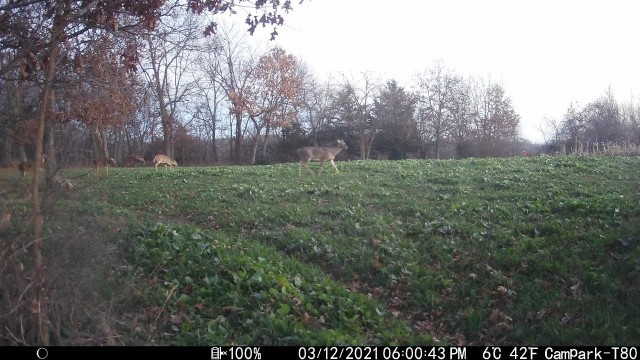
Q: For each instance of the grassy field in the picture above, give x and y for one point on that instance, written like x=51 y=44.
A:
x=528 y=251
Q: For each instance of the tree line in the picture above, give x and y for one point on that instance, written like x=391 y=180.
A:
x=594 y=127
x=219 y=99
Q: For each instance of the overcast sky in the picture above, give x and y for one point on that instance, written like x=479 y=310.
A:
x=546 y=53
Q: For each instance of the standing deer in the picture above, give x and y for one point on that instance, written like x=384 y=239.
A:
x=104 y=162
x=163 y=159
x=26 y=166
x=322 y=154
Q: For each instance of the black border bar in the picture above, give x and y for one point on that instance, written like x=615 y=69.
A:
x=328 y=352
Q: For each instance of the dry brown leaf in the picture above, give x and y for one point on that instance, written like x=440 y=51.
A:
x=577 y=286
x=305 y=318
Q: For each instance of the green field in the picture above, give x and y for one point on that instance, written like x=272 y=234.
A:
x=527 y=251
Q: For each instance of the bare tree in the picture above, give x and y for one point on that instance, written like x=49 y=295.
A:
x=210 y=98
x=172 y=48
x=630 y=113
x=232 y=68
x=574 y=126
x=437 y=90
x=316 y=110
x=603 y=120
x=462 y=114
x=551 y=130
x=140 y=127
x=354 y=107
x=496 y=122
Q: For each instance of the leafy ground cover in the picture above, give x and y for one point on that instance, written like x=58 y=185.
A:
x=541 y=250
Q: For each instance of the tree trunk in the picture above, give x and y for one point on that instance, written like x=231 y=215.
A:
x=119 y=145
x=166 y=119
x=99 y=138
x=167 y=131
x=103 y=141
x=39 y=278
x=362 y=142
x=254 y=148
x=265 y=143
x=238 y=147
x=231 y=140
x=256 y=140
x=214 y=151
x=370 y=145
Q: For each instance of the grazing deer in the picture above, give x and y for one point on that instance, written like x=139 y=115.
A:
x=27 y=166
x=104 y=162
x=133 y=160
x=322 y=154
x=163 y=159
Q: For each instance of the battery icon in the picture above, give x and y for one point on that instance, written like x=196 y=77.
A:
x=215 y=353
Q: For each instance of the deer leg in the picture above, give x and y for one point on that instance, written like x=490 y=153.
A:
x=335 y=167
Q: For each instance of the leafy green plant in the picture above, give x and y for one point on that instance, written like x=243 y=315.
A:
x=220 y=290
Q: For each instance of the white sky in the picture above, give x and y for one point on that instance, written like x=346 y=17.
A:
x=547 y=53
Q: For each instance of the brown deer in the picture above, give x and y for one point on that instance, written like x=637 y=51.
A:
x=104 y=162
x=132 y=160
x=322 y=154
x=163 y=159
x=27 y=166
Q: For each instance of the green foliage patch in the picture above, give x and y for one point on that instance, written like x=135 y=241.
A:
x=539 y=250
x=220 y=290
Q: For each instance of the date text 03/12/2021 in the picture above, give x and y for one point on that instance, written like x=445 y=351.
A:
x=428 y=352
